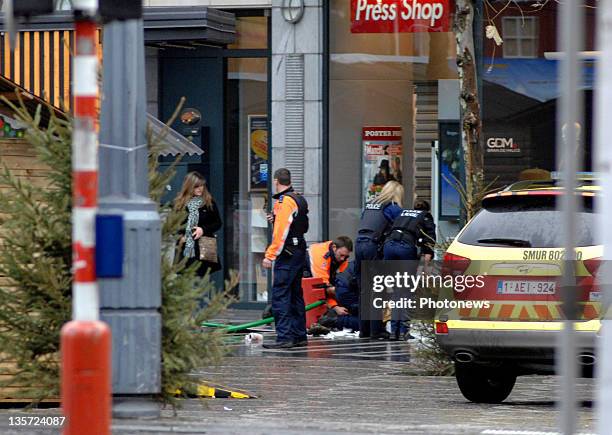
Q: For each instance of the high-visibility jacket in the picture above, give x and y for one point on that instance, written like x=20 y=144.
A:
x=323 y=265
x=290 y=223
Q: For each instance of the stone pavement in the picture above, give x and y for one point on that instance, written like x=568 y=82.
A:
x=349 y=386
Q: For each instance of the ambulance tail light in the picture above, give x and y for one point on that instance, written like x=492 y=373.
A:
x=454 y=264
x=441 y=328
x=592 y=265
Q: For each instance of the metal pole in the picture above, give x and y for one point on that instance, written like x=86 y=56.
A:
x=570 y=35
x=131 y=303
x=603 y=165
x=85 y=341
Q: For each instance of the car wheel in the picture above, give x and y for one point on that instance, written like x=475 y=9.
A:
x=483 y=385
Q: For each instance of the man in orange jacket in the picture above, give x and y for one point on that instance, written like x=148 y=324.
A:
x=287 y=253
x=325 y=260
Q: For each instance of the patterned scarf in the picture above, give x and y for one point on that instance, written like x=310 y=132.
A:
x=193 y=207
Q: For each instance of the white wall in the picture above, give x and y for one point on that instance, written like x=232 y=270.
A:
x=305 y=39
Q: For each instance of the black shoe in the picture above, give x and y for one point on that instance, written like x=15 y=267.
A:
x=363 y=335
x=381 y=336
x=279 y=345
x=300 y=343
x=317 y=330
x=408 y=336
x=328 y=319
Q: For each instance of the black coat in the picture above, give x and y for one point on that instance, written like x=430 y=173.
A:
x=210 y=222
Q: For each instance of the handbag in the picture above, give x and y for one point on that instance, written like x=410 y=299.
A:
x=208 y=249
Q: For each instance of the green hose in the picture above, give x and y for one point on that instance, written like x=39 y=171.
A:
x=266 y=321
x=215 y=325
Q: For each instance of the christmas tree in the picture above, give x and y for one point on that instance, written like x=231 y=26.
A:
x=185 y=347
x=35 y=277
x=35 y=261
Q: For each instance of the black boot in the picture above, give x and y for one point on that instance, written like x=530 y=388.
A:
x=279 y=345
x=382 y=335
x=318 y=329
x=328 y=319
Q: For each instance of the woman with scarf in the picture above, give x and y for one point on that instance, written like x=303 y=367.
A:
x=202 y=220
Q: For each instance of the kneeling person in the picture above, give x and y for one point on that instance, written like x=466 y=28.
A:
x=325 y=260
x=347 y=296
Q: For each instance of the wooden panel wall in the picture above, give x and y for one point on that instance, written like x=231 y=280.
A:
x=20 y=157
x=42 y=64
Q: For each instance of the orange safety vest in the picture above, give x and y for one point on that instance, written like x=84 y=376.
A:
x=284 y=212
x=320 y=258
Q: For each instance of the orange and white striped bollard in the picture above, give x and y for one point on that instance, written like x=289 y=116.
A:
x=85 y=341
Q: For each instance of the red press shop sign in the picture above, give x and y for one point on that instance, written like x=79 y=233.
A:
x=404 y=16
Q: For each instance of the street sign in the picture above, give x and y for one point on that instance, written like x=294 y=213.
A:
x=400 y=16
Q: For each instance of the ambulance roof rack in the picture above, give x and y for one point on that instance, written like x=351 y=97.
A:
x=582 y=179
x=530 y=184
x=580 y=176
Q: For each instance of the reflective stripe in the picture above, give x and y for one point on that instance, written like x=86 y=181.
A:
x=85 y=304
x=311 y=258
x=83 y=225
x=89 y=6
x=588 y=326
x=526 y=310
x=85 y=76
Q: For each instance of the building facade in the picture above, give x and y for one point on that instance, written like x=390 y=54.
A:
x=261 y=105
x=346 y=94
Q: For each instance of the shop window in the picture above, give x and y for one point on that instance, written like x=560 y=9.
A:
x=520 y=93
x=251 y=32
x=381 y=122
x=520 y=36
x=247 y=169
x=63 y=5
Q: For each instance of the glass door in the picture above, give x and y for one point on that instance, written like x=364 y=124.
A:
x=247 y=173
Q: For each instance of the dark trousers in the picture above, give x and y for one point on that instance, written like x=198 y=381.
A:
x=349 y=300
x=287 y=297
x=366 y=249
x=398 y=250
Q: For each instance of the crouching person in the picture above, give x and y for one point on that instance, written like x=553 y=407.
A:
x=347 y=297
x=326 y=260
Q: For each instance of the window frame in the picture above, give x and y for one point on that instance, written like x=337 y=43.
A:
x=519 y=37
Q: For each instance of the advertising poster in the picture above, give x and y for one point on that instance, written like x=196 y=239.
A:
x=382 y=158
x=258 y=152
x=451 y=169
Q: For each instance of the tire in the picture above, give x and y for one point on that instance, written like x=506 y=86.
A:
x=482 y=384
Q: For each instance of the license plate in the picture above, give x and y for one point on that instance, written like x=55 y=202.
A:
x=526 y=287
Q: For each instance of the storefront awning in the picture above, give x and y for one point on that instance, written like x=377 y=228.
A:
x=534 y=78
x=12 y=92
x=196 y=23
x=41 y=60
x=173 y=142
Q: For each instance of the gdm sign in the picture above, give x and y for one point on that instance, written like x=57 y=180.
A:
x=404 y=16
x=502 y=145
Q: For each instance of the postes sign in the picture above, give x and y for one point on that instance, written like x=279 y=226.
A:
x=405 y=16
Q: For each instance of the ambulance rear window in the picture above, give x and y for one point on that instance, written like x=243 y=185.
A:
x=532 y=223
